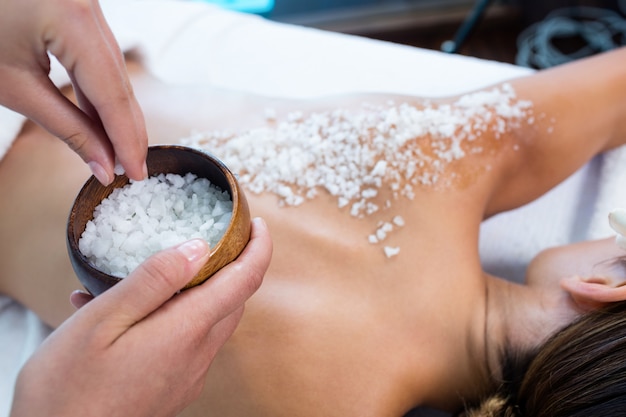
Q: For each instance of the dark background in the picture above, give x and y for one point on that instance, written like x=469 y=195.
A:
x=429 y=23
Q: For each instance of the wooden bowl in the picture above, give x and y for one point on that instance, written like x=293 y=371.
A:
x=162 y=159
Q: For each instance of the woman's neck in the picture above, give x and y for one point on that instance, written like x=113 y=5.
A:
x=520 y=318
x=465 y=373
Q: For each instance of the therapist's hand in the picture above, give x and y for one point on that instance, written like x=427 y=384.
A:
x=138 y=349
x=107 y=123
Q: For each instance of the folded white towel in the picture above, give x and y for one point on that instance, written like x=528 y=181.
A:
x=609 y=194
x=10 y=125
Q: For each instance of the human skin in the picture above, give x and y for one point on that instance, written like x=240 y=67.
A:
x=337 y=328
x=105 y=123
x=102 y=346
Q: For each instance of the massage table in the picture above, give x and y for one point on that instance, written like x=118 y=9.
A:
x=183 y=42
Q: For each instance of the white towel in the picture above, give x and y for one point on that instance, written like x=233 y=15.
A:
x=610 y=192
x=197 y=43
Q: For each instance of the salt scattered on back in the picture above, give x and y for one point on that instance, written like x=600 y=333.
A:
x=351 y=155
x=144 y=217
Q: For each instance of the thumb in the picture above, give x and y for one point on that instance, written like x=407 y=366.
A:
x=152 y=284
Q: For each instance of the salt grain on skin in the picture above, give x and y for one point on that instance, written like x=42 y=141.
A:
x=352 y=155
x=391 y=251
x=147 y=216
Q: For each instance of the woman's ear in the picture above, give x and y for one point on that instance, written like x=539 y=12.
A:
x=593 y=292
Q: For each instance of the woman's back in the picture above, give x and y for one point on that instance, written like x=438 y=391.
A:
x=338 y=326
x=344 y=325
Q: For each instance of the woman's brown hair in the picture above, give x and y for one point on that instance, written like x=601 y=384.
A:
x=579 y=372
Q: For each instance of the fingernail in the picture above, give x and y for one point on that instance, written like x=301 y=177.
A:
x=193 y=249
x=259 y=221
x=99 y=172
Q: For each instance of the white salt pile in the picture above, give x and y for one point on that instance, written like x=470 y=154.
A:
x=144 y=217
x=351 y=155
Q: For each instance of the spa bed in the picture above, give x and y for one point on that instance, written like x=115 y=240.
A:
x=191 y=42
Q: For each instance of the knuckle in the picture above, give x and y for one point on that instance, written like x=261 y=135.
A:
x=250 y=277
x=77 y=142
x=119 y=96
x=163 y=270
x=79 y=7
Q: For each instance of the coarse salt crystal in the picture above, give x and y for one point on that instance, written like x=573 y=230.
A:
x=128 y=227
x=398 y=221
x=391 y=251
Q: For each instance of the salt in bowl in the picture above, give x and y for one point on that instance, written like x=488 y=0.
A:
x=162 y=159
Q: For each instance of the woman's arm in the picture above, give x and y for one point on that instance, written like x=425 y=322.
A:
x=579 y=110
